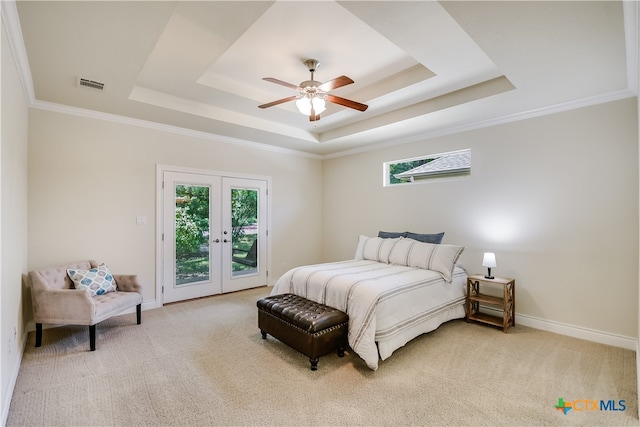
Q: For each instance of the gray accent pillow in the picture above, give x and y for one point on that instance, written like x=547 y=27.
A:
x=391 y=234
x=426 y=238
x=435 y=238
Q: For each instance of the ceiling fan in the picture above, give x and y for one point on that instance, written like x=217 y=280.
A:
x=313 y=94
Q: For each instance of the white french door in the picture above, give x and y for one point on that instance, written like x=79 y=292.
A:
x=244 y=234
x=214 y=234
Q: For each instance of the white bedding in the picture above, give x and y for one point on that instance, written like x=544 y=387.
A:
x=386 y=303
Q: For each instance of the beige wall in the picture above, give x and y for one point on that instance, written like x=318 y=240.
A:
x=13 y=221
x=638 y=108
x=89 y=179
x=555 y=197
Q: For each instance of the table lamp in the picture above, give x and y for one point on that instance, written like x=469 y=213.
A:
x=489 y=261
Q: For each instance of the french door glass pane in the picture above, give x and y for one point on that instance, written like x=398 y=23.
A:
x=192 y=234
x=244 y=231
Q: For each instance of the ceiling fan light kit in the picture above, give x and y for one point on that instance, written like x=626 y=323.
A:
x=313 y=94
x=306 y=103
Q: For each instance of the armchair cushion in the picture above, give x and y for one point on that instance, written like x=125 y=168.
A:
x=96 y=281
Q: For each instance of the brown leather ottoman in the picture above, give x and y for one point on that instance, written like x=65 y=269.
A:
x=311 y=328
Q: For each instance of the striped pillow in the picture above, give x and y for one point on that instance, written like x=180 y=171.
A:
x=375 y=248
x=428 y=256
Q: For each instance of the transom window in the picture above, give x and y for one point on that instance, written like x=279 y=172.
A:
x=425 y=168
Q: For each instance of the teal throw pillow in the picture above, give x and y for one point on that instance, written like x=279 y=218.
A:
x=97 y=281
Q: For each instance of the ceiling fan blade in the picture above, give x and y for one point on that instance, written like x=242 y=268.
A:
x=335 y=83
x=280 y=82
x=279 y=101
x=347 y=102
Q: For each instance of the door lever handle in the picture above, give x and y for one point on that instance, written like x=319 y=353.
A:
x=226 y=241
x=217 y=241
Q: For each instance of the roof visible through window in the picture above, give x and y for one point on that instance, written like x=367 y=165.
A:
x=451 y=164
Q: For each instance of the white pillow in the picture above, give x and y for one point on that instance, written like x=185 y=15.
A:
x=375 y=248
x=441 y=258
x=360 y=249
x=96 y=281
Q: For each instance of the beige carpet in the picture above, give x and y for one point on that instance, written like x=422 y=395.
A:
x=203 y=363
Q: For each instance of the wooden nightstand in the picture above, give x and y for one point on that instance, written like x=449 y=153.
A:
x=507 y=302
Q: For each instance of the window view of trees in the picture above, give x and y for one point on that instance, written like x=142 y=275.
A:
x=192 y=232
x=396 y=168
x=244 y=212
x=244 y=229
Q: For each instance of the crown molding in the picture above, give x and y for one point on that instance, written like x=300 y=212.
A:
x=12 y=25
x=115 y=118
x=558 y=108
x=630 y=10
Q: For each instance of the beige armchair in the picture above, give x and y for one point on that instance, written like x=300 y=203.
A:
x=56 y=301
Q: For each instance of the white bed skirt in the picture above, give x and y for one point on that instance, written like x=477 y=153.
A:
x=386 y=346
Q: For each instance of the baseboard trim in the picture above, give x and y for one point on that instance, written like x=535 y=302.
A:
x=638 y=376
x=574 y=331
x=601 y=337
x=12 y=381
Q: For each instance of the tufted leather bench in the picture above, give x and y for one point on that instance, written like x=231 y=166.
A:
x=311 y=328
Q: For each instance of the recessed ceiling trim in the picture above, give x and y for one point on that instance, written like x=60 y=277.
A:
x=65 y=109
x=481 y=124
x=508 y=67
x=114 y=118
x=164 y=100
x=420 y=109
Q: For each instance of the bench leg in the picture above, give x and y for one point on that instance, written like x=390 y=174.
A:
x=341 y=352
x=314 y=363
x=139 y=313
x=38 y=334
x=92 y=337
x=264 y=335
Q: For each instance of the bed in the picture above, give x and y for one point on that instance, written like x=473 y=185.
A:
x=393 y=291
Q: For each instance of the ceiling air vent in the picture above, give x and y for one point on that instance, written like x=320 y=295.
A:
x=90 y=83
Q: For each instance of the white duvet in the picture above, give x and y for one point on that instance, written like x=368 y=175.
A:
x=386 y=303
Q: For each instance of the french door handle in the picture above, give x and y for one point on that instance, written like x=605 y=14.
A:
x=226 y=241
x=217 y=241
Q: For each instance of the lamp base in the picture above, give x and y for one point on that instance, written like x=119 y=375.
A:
x=488 y=275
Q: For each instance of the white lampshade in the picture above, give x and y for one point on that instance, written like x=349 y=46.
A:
x=489 y=260
x=304 y=105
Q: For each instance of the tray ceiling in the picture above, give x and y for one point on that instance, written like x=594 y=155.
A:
x=423 y=67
